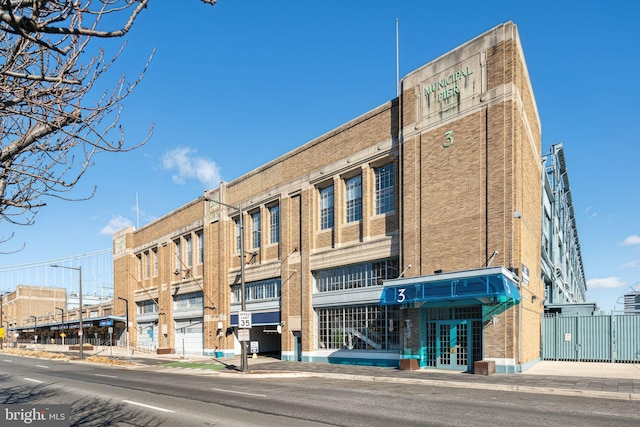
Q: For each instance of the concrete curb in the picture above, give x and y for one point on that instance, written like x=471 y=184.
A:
x=439 y=383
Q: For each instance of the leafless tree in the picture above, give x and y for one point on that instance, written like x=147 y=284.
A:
x=55 y=115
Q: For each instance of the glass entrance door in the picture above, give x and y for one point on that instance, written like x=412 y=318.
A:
x=454 y=345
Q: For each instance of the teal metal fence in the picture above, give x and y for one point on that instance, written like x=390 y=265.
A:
x=595 y=338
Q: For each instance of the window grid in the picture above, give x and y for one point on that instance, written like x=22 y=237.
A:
x=356 y=276
x=238 y=236
x=359 y=327
x=189 y=244
x=194 y=300
x=148 y=306
x=354 y=198
x=139 y=262
x=384 y=189
x=259 y=290
x=200 y=236
x=255 y=229
x=155 y=261
x=326 y=207
x=147 y=266
x=178 y=254
x=274 y=224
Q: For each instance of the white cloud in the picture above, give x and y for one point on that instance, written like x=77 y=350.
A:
x=606 y=283
x=632 y=240
x=188 y=166
x=115 y=224
x=631 y=264
x=591 y=211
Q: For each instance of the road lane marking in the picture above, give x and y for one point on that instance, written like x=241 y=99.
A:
x=42 y=366
x=6 y=360
x=148 y=406
x=32 y=380
x=239 y=392
x=106 y=376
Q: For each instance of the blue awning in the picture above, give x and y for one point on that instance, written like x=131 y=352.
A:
x=488 y=285
x=260 y=319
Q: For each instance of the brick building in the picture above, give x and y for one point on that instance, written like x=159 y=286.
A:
x=26 y=305
x=47 y=312
x=410 y=232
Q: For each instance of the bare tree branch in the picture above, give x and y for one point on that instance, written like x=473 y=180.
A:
x=53 y=117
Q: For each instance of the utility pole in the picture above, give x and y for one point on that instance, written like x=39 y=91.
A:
x=81 y=330
x=2 y=330
x=126 y=313
x=243 y=344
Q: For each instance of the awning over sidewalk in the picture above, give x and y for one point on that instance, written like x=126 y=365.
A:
x=488 y=285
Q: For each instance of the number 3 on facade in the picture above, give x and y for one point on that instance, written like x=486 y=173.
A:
x=401 y=295
x=449 y=138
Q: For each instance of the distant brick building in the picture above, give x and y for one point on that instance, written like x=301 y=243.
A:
x=24 y=302
x=410 y=232
x=48 y=313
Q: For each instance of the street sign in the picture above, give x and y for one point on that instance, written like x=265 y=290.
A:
x=243 y=335
x=1 y=332
x=244 y=320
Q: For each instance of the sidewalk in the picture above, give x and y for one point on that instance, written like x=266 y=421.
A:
x=600 y=380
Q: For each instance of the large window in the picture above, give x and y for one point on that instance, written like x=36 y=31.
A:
x=326 y=207
x=147 y=266
x=259 y=290
x=356 y=276
x=238 y=236
x=188 y=241
x=384 y=189
x=200 y=237
x=191 y=301
x=354 y=198
x=149 y=306
x=178 y=254
x=255 y=229
x=139 y=262
x=359 y=327
x=154 y=251
x=274 y=224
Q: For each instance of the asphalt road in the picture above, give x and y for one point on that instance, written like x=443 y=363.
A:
x=108 y=396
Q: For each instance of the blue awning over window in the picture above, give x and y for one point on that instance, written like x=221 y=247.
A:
x=488 y=285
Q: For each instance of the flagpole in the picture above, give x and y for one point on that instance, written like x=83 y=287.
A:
x=397 y=62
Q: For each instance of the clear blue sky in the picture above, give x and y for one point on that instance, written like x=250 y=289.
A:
x=238 y=84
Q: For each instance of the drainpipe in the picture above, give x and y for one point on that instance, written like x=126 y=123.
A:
x=520 y=333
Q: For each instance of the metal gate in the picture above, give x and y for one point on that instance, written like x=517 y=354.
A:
x=597 y=338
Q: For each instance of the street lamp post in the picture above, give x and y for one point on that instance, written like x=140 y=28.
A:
x=126 y=315
x=62 y=322
x=243 y=304
x=4 y=331
x=81 y=330
x=35 y=330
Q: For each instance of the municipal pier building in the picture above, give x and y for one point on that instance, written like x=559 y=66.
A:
x=418 y=230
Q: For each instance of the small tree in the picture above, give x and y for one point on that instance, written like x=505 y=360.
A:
x=51 y=127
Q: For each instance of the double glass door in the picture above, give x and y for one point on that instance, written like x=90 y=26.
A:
x=454 y=345
x=452 y=338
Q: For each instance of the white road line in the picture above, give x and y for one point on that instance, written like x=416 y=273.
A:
x=106 y=376
x=42 y=366
x=148 y=406
x=6 y=360
x=32 y=380
x=239 y=392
